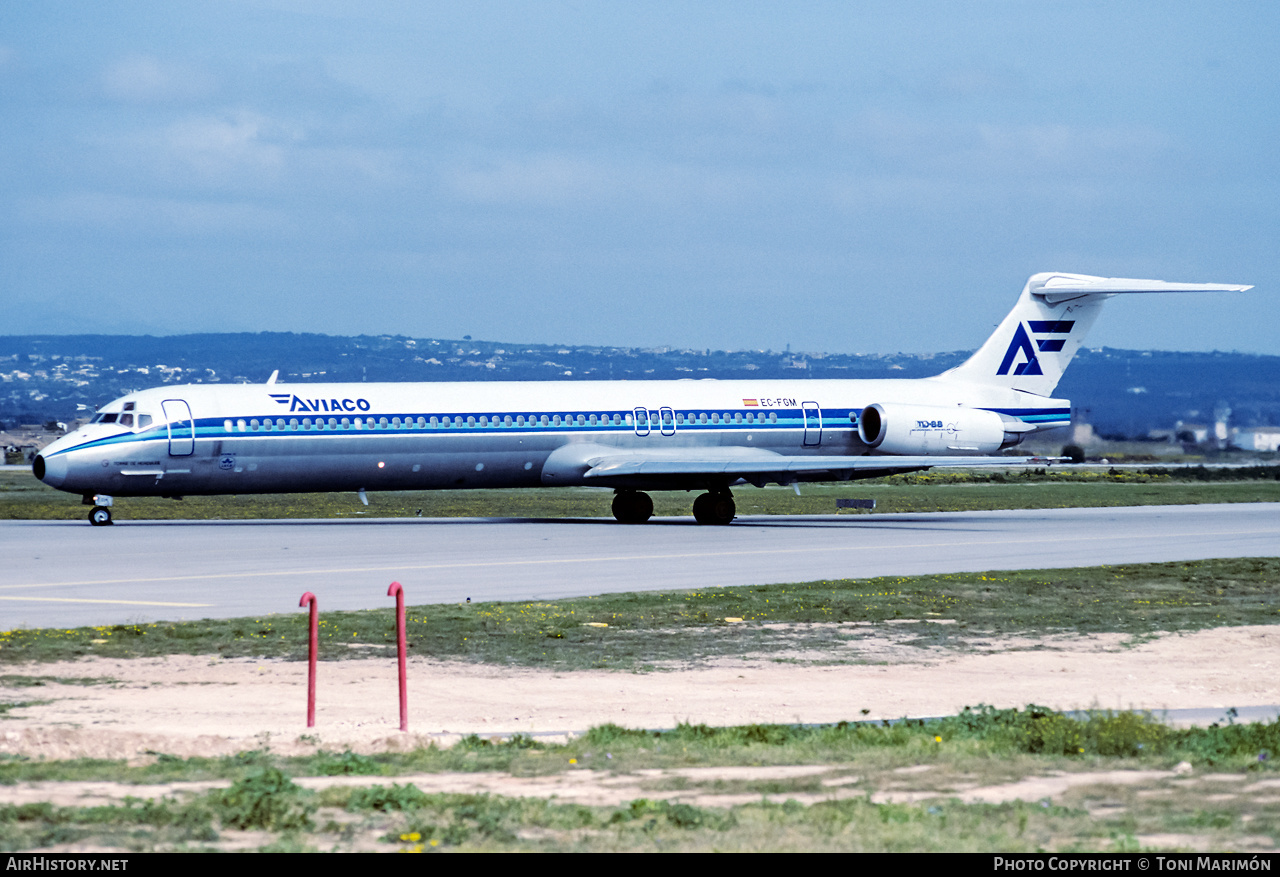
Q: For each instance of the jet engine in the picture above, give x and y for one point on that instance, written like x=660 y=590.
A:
x=929 y=429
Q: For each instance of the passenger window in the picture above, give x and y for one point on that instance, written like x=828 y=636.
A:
x=253 y=425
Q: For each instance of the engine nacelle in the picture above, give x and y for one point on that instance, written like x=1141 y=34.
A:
x=918 y=430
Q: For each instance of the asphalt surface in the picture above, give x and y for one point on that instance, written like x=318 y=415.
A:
x=68 y=574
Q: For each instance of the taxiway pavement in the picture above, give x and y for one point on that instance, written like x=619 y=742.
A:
x=68 y=574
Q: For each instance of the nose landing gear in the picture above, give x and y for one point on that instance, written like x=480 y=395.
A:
x=100 y=516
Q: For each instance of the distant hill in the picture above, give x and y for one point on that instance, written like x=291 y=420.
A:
x=1122 y=392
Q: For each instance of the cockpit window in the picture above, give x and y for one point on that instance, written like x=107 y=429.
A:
x=144 y=420
x=108 y=418
x=126 y=419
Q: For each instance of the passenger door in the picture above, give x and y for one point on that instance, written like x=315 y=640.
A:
x=182 y=428
x=812 y=424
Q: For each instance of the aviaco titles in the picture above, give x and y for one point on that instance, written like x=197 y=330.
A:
x=632 y=436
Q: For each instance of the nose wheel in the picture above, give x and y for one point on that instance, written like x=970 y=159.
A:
x=714 y=508
x=100 y=516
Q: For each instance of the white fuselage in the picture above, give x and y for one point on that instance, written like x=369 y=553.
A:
x=257 y=438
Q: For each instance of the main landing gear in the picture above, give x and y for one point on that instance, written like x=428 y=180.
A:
x=634 y=507
x=714 y=508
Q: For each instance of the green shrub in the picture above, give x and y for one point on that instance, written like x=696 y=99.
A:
x=266 y=799
x=387 y=798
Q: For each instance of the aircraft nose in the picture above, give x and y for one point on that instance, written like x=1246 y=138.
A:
x=52 y=471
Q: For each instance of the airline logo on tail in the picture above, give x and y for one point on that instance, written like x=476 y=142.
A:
x=1042 y=331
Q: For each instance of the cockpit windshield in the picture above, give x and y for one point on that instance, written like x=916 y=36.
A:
x=129 y=417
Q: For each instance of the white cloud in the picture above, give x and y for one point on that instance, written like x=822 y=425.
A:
x=143 y=79
x=580 y=181
x=231 y=143
x=154 y=216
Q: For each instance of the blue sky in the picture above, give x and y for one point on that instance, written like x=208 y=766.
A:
x=844 y=177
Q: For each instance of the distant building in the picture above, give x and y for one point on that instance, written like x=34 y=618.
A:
x=1192 y=433
x=1257 y=438
x=27 y=440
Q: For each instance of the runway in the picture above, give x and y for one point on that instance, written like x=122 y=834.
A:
x=68 y=574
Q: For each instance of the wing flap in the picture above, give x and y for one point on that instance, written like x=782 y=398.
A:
x=615 y=466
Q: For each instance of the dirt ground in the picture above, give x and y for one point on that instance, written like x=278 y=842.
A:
x=190 y=705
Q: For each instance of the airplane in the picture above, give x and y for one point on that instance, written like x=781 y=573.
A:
x=632 y=436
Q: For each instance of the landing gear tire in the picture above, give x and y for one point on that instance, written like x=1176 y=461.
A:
x=100 y=516
x=632 y=507
x=714 y=508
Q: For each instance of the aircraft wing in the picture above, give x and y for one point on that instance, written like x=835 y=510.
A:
x=698 y=461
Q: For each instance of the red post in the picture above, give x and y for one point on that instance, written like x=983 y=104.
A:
x=313 y=646
x=398 y=592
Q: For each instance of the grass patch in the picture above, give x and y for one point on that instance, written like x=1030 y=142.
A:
x=979 y=744
x=824 y=619
x=22 y=497
x=8 y=706
x=11 y=680
x=981 y=732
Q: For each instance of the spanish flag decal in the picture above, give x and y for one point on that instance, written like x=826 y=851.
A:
x=751 y=403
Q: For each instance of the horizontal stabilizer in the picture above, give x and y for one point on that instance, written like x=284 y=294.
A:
x=1064 y=287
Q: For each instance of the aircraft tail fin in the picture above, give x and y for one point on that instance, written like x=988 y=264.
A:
x=1031 y=349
